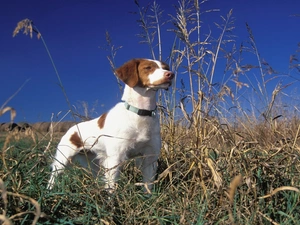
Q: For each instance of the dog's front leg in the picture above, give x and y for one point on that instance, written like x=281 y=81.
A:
x=148 y=167
x=112 y=171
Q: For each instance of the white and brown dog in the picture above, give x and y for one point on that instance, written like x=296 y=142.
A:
x=129 y=130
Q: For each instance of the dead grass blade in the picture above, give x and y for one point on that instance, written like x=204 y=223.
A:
x=5 y=148
x=4 y=199
x=51 y=135
x=296 y=137
x=37 y=213
x=237 y=181
x=26 y=24
x=216 y=176
x=4 y=195
x=283 y=188
x=166 y=173
x=6 y=220
x=4 y=109
x=13 y=112
x=267 y=218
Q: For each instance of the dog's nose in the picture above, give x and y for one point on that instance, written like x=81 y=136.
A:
x=169 y=75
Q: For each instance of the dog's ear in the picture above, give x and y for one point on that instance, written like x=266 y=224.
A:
x=128 y=73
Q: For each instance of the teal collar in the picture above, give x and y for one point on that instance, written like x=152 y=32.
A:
x=140 y=112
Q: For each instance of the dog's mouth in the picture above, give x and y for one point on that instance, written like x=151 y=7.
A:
x=164 y=86
x=168 y=81
x=163 y=83
x=169 y=85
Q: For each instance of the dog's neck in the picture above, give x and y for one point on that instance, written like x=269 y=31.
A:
x=140 y=97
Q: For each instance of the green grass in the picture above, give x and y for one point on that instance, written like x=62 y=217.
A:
x=186 y=192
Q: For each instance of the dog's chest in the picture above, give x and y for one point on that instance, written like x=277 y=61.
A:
x=128 y=130
x=143 y=130
x=141 y=139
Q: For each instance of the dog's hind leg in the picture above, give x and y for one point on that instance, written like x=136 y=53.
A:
x=62 y=157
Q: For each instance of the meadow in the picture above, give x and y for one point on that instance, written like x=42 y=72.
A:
x=231 y=148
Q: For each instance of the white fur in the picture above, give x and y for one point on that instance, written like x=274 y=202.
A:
x=125 y=134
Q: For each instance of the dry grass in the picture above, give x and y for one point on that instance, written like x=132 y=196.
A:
x=217 y=183
x=27 y=26
x=8 y=109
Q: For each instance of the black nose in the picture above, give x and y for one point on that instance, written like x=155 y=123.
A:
x=169 y=75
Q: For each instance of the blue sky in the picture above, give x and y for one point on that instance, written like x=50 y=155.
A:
x=75 y=29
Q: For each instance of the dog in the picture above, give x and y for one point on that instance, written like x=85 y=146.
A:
x=129 y=130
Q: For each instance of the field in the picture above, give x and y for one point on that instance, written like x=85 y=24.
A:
x=231 y=147
x=222 y=181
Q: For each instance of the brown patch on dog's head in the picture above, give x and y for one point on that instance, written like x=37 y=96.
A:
x=101 y=120
x=128 y=73
x=76 y=140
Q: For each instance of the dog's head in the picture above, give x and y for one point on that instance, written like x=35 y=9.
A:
x=146 y=73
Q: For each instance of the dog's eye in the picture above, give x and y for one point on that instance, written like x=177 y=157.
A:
x=148 y=68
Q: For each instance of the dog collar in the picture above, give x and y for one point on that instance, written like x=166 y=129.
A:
x=140 y=112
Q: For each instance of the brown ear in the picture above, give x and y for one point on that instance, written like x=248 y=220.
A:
x=128 y=73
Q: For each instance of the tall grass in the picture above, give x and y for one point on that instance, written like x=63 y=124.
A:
x=220 y=163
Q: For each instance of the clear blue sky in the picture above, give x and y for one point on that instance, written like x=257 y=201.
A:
x=75 y=29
